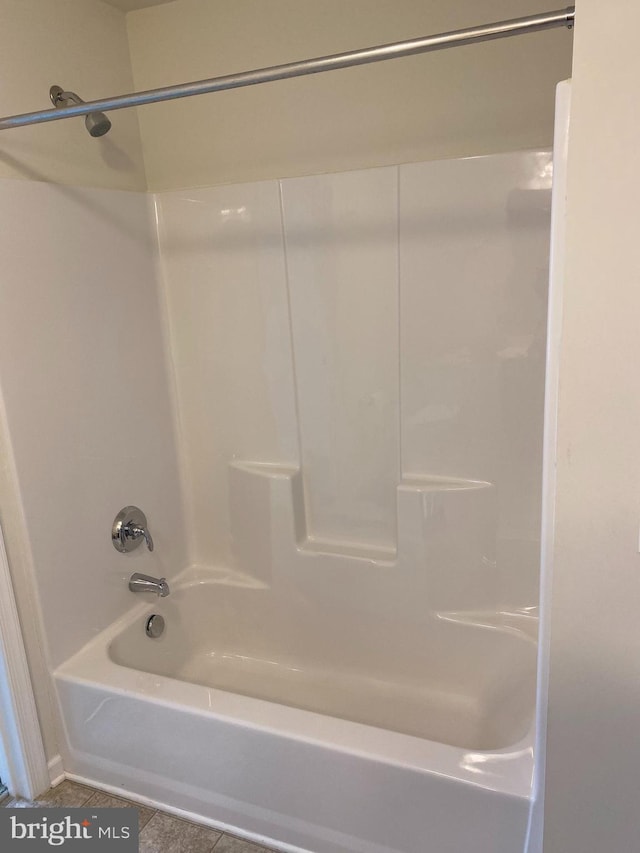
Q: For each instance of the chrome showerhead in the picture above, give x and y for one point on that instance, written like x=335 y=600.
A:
x=96 y=123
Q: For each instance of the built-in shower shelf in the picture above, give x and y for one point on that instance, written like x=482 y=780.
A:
x=353 y=550
x=419 y=485
x=445 y=528
x=520 y=621
x=432 y=483
x=265 y=469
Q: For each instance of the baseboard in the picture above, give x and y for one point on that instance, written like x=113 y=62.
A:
x=185 y=815
x=56 y=770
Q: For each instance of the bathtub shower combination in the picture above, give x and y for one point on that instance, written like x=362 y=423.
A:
x=361 y=417
x=328 y=410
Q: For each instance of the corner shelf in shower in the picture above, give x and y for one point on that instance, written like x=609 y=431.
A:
x=446 y=529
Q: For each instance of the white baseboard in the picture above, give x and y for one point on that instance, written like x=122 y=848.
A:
x=56 y=770
x=185 y=815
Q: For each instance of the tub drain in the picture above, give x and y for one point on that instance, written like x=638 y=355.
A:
x=155 y=626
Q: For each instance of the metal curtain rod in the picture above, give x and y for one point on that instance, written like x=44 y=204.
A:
x=457 y=38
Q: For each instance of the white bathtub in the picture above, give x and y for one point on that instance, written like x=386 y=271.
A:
x=321 y=729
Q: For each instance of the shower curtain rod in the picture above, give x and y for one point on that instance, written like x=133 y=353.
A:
x=456 y=38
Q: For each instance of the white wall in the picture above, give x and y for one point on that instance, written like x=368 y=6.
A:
x=84 y=382
x=76 y=265
x=474 y=100
x=593 y=748
x=80 y=45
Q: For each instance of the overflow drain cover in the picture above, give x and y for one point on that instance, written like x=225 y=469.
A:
x=155 y=626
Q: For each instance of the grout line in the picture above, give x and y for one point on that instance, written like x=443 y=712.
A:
x=148 y=822
x=258 y=847
x=155 y=812
x=127 y=803
x=91 y=795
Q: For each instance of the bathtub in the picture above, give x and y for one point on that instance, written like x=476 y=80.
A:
x=327 y=729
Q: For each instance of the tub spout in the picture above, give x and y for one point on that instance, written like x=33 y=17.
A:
x=145 y=583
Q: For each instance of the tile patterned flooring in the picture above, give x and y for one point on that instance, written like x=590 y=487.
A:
x=159 y=832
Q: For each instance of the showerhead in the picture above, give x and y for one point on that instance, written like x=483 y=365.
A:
x=96 y=123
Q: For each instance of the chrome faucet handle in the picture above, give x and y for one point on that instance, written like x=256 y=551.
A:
x=135 y=531
x=130 y=529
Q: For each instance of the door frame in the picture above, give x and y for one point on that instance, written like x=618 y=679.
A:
x=23 y=763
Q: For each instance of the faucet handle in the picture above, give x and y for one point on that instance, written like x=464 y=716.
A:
x=136 y=531
x=129 y=529
x=147 y=538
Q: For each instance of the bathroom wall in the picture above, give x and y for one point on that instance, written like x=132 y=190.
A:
x=86 y=408
x=80 y=45
x=317 y=324
x=84 y=383
x=593 y=749
x=85 y=423
x=473 y=100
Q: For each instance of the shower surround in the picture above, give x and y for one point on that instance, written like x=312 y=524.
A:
x=361 y=333
x=357 y=367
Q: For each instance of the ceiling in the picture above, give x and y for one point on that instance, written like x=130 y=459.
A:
x=130 y=5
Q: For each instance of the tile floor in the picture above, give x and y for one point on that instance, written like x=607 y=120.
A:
x=159 y=832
